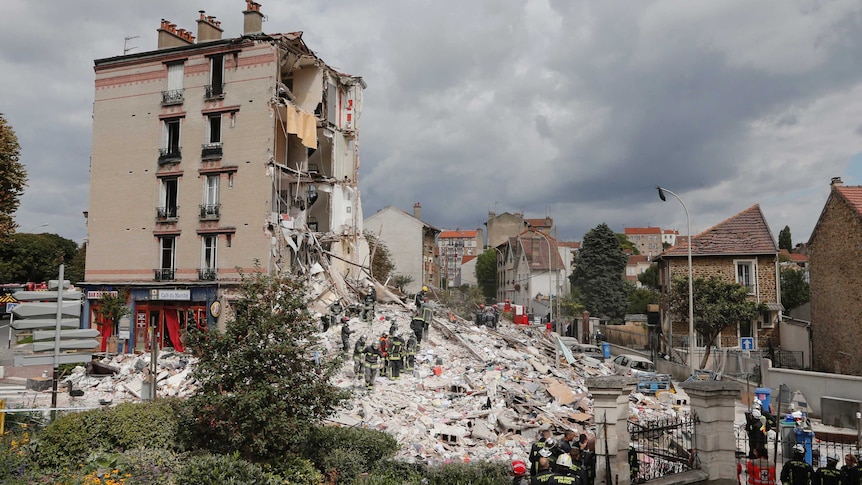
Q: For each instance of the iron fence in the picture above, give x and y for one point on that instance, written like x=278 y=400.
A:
x=779 y=446
x=664 y=446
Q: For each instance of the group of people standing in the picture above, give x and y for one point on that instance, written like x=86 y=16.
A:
x=558 y=461
x=797 y=471
x=488 y=316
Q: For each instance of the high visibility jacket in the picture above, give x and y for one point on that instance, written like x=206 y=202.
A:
x=760 y=472
x=796 y=472
x=826 y=476
x=384 y=346
x=395 y=349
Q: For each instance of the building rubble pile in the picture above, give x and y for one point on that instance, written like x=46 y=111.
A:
x=475 y=394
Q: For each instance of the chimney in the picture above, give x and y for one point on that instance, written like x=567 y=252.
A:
x=208 y=28
x=252 y=18
x=170 y=36
x=836 y=182
x=417 y=211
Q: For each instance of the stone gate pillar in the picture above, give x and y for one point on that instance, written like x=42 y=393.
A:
x=611 y=406
x=714 y=402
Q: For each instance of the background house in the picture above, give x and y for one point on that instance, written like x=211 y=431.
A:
x=740 y=249
x=453 y=248
x=835 y=268
x=410 y=242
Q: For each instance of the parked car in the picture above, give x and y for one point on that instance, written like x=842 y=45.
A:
x=632 y=365
x=589 y=351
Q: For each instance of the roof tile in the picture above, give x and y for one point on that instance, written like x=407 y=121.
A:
x=744 y=233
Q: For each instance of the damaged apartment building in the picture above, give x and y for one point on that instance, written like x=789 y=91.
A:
x=213 y=157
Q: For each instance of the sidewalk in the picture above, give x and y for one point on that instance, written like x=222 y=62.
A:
x=19 y=375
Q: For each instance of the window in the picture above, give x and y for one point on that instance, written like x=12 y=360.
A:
x=210 y=201
x=745 y=274
x=171 y=133
x=174 y=93
x=214 y=129
x=208 y=255
x=216 y=86
x=168 y=198
x=167 y=253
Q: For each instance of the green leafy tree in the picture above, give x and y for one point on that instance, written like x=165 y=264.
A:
x=486 y=274
x=598 y=274
x=784 y=239
x=113 y=308
x=13 y=178
x=627 y=244
x=36 y=257
x=718 y=304
x=649 y=278
x=794 y=289
x=639 y=298
x=382 y=265
x=266 y=381
x=75 y=269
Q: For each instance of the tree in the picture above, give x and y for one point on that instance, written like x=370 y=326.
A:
x=113 y=308
x=649 y=278
x=13 y=179
x=784 y=239
x=717 y=305
x=627 y=244
x=639 y=298
x=598 y=274
x=794 y=288
x=36 y=257
x=381 y=259
x=266 y=381
x=486 y=274
x=75 y=269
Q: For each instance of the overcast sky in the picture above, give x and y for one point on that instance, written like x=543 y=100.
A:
x=568 y=108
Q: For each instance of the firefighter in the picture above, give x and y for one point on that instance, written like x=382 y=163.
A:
x=419 y=299
x=369 y=300
x=418 y=327
x=358 y=348
x=345 y=335
x=829 y=474
x=634 y=465
x=384 y=350
x=410 y=354
x=372 y=358
x=395 y=354
x=796 y=471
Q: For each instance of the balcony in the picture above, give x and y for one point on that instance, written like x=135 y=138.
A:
x=214 y=91
x=170 y=155
x=164 y=274
x=167 y=214
x=207 y=274
x=211 y=151
x=210 y=212
x=172 y=97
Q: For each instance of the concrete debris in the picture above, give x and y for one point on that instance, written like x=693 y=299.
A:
x=475 y=393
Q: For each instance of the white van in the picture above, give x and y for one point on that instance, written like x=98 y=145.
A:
x=632 y=365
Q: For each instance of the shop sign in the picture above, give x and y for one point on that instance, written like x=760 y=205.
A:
x=141 y=320
x=97 y=295
x=176 y=295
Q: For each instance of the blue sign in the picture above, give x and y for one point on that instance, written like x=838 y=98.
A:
x=10 y=306
x=747 y=343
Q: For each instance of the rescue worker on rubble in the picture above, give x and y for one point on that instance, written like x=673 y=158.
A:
x=587 y=458
x=797 y=471
x=829 y=474
x=410 y=354
x=534 y=450
x=345 y=335
x=490 y=318
x=419 y=299
x=518 y=470
x=634 y=465
x=418 y=327
x=372 y=357
x=755 y=426
x=396 y=347
x=479 y=315
x=369 y=300
x=358 y=349
x=393 y=329
x=384 y=351
x=427 y=316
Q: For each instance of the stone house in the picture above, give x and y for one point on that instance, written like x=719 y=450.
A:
x=740 y=249
x=835 y=270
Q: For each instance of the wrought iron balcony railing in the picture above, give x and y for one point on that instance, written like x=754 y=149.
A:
x=207 y=274
x=211 y=151
x=167 y=214
x=164 y=274
x=214 y=91
x=170 y=155
x=210 y=212
x=174 y=96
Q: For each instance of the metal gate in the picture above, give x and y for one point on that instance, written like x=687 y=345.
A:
x=663 y=446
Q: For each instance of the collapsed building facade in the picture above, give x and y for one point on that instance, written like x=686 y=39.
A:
x=213 y=157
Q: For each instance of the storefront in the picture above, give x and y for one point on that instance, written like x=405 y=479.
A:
x=159 y=316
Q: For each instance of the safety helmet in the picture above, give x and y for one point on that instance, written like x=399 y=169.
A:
x=755 y=413
x=564 y=460
x=832 y=457
x=362 y=339
x=550 y=443
x=375 y=346
x=481 y=305
x=518 y=468
x=545 y=452
x=424 y=288
x=799 y=449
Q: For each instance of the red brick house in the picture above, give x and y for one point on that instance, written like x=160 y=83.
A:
x=740 y=249
x=835 y=270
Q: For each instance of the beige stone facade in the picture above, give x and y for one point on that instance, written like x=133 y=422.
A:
x=217 y=157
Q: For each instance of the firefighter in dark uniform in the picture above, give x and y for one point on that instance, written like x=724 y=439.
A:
x=418 y=326
x=410 y=354
x=345 y=334
x=634 y=465
x=796 y=471
x=396 y=347
x=358 y=363
x=372 y=358
x=830 y=474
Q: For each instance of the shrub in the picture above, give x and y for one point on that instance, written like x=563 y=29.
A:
x=474 y=473
x=149 y=466
x=295 y=470
x=372 y=445
x=342 y=465
x=391 y=472
x=207 y=469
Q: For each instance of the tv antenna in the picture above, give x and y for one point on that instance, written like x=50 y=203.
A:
x=126 y=47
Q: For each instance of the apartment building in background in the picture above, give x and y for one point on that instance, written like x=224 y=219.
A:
x=455 y=249
x=648 y=240
x=212 y=157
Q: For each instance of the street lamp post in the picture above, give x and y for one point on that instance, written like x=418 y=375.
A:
x=550 y=266
x=691 y=339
